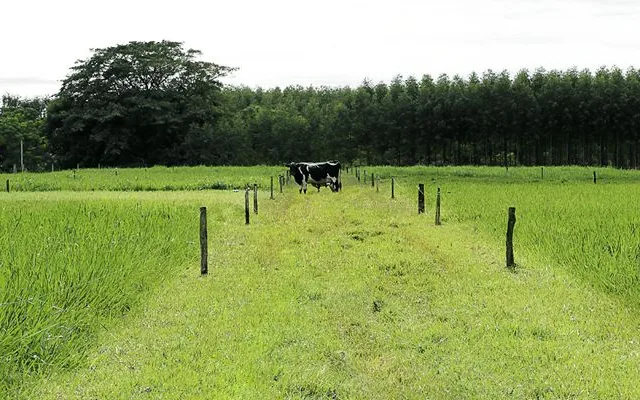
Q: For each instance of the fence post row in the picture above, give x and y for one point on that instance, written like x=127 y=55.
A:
x=438 y=207
x=421 y=198
x=204 y=267
x=510 y=224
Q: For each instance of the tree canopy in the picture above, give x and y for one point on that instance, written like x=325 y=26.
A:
x=155 y=103
x=137 y=103
x=21 y=120
x=533 y=118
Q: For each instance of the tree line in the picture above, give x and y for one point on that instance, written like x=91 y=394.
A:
x=147 y=103
x=540 y=118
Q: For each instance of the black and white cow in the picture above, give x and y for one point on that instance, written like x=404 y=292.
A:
x=317 y=174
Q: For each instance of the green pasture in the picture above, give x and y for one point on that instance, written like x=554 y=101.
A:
x=161 y=178
x=143 y=179
x=349 y=295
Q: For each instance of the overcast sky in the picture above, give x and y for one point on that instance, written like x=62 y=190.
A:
x=329 y=42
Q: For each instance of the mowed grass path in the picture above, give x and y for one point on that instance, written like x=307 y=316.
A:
x=354 y=296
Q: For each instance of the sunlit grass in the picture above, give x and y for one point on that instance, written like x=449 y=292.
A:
x=72 y=261
x=347 y=295
x=353 y=295
x=592 y=230
x=144 y=179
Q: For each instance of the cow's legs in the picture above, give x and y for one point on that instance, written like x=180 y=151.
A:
x=304 y=184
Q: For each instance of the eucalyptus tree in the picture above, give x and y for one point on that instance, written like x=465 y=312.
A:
x=426 y=124
x=632 y=78
x=525 y=114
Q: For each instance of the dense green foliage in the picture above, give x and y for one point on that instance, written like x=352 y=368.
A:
x=149 y=103
x=347 y=295
x=140 y=103
x=23 y=120
x=542 y=118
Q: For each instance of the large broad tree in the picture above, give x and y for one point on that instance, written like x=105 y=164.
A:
x=137 y=103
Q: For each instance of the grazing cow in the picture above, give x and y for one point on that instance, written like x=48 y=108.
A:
x=317 y=174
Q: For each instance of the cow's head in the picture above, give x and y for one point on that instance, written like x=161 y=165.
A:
x=293 y=167
x=334 y=185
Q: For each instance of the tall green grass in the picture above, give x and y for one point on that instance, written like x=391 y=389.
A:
x=355 y=296
x=144 y=179
x=70 y=262
x=592 y=230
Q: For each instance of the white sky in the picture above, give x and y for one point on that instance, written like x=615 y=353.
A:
x=328 y=42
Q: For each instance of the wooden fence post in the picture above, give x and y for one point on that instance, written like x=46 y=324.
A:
x=594 y=176
x=373 y=181
x=421 y=198
x=255 y=198
x=7 y=186
x=542 y=172
x=246 y=206
x=393 y=185
x=365 y=176
x=377 y=183
x=438 y=207
x=510 y=224
x=272 y=189
x=204 y=266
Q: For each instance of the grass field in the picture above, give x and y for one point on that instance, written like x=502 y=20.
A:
x=143 y=179
x=348 y=295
